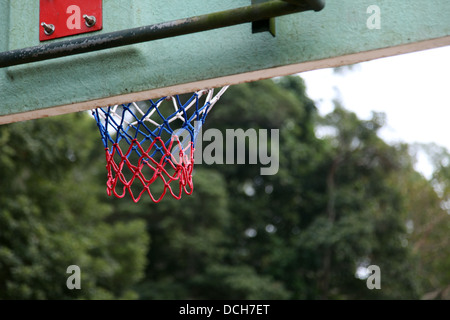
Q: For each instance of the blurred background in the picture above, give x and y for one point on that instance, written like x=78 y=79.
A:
x=345 y=197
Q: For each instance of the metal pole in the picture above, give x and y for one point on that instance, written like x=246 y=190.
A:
x=158 y=31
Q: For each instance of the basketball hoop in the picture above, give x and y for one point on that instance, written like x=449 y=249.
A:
x=149 y=145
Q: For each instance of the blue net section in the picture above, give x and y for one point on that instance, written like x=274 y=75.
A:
x=150 y=144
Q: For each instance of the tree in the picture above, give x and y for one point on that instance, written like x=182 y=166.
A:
x=365 y=211
x=429 y=221
x=51 y=215
x=342 y=199
x=331 y=206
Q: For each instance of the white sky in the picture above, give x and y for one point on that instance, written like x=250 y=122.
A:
x=413 y=90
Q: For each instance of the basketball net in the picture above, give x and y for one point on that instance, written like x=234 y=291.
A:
x=149 y=145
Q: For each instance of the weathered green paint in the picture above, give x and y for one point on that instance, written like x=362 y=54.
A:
x=336 y=35
x=174 y=28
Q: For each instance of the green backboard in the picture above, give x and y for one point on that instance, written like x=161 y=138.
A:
x=343 y=32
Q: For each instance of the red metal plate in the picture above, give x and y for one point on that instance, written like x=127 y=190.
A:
x=67 y=17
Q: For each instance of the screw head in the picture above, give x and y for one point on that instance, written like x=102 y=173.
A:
x=89 y=20
x=48 y=28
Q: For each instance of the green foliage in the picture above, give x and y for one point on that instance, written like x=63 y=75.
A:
x=342 y=199
x=51 y=216
x=238 y=283
x=331 y=207
x=429 y=222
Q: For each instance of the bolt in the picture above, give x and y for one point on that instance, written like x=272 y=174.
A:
x=48 y=28
x=89 y=20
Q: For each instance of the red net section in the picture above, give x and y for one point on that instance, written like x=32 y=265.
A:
x=174 y=175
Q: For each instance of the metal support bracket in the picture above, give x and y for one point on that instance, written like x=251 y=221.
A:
x=255 y=12
x=266 y=25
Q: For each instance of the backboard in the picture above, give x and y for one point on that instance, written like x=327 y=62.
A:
x=343 y=32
